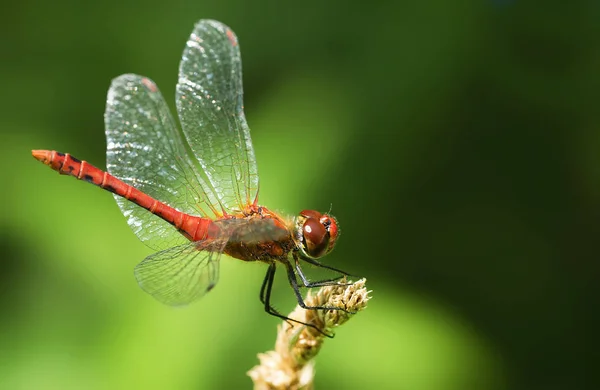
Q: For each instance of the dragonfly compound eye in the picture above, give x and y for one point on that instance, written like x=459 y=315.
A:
x=315 y=237
x=331 y=225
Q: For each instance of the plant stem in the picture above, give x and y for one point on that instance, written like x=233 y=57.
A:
x=291 y=364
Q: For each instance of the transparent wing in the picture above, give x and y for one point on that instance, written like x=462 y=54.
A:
x=210 y=107
x=145 y=150
x=180 y=275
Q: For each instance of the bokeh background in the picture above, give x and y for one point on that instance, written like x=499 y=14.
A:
x=458 y=142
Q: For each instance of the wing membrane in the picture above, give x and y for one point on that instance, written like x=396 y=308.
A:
x=210 y=107
x=182 y=274
x=145 y=150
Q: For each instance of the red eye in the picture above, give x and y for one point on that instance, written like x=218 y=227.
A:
x=316 y=237
x=330 y=224
x=311 y=214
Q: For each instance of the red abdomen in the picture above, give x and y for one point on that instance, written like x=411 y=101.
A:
x=193 y=227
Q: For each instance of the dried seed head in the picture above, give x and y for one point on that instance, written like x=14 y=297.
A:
x=290 y=365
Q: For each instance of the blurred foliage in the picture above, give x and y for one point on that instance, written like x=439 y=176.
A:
x=458 y=142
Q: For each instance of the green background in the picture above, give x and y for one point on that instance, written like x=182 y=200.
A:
x=458 y=143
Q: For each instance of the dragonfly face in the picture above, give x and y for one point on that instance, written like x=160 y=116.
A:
x=316 y=233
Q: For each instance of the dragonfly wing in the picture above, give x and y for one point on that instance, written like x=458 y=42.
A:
x=210 y=107
x=146 y=151
x=182 y=274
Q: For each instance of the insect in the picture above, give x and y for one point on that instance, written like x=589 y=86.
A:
x=194 y=196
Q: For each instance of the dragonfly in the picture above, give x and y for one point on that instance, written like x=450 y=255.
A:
x=192 y=194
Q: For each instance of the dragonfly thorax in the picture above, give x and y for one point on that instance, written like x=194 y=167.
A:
x=315 y=233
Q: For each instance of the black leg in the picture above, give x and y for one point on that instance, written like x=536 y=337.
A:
x=266 y=299
x=318 y=264
x=294 y=284
x=318 y=283
x=265 y=291
x=264 y=284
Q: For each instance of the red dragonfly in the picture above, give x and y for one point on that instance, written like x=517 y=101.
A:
x=194 y=197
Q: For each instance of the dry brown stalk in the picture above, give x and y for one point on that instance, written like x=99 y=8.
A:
x=291 y=364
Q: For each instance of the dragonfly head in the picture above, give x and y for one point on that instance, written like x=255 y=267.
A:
x=316 y=233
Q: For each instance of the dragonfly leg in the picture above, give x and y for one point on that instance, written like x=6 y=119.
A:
x=265 y=292
x=318 y=283
x=266 y=299
x=321 y=265
x=294 y=284
x=264 y=285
